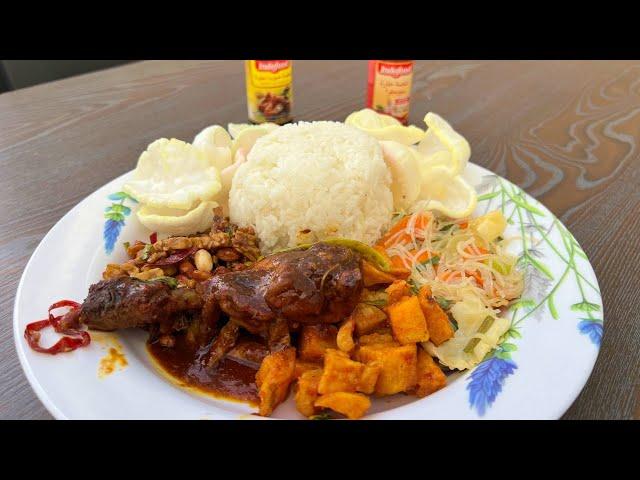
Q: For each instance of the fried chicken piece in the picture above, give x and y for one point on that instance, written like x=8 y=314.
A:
x=318 y=285
x=127 y=302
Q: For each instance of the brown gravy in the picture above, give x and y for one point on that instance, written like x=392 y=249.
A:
x=234 y=378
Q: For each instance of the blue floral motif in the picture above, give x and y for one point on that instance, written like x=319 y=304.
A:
x=592 y=328
x=115 y=215
x=111 y=232
x=486 y=382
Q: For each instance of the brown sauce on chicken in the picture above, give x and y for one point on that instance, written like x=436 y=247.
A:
x=213 y=337
x=233 y=377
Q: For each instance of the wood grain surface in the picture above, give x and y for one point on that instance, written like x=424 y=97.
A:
x=566 y=131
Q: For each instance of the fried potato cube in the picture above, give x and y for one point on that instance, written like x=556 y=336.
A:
x=430 y=377
x=399 y=366
x=345 y=335
x=303 y=366
x=307 y=392
x=369 y=377
x=340 y=374
x=352 y=405
x=373 y=276
x=377 y=338
x=438 y=325
x=314 y=340
x=367 y=318
x=377 y=298
x=397 y=290
x=273 y=379
x=407 y=321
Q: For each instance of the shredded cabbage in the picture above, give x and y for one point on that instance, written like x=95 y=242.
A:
x=458 y=352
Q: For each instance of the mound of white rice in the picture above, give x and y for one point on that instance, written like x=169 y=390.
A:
x=308 y=181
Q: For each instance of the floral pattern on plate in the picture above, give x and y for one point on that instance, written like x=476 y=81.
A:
x=535 y=227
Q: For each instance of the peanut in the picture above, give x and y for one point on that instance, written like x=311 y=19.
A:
x=203 y=260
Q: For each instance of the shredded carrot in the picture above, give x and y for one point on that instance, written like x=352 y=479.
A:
x=398 y=238
x=449 y=275
x=423 y=257
x=398 y=234
x=397 y=228
x=397 y=262
x=422 y=220
x=476 y=274
x=474 y=250
x=425 y=291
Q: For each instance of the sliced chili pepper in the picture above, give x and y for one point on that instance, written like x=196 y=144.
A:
x=73 y=338
x=153 y=238
x=174 y=258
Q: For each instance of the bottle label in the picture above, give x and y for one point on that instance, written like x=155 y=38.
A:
x=269 y=92
x=389 y=88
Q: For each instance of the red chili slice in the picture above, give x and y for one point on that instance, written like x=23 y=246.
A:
x=75 y=339
x=174 y=258
x=153 y=238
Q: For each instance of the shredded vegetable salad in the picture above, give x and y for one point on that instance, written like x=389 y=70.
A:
x=455 y=258
x=465 y=266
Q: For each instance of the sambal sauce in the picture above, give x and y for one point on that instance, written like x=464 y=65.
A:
x=233 y=378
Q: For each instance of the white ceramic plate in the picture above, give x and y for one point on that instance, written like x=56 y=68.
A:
x=536 y=373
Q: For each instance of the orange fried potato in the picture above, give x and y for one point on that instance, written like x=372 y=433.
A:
x=345 y=335
x=373 y=276
x=397 y=290
x=369 y=377
x=430 y=376
x=352 y=405
x=376 y=297
x=399 y=366
x=314 y=340
x=273 y=379
x=307 y=392
x=407 y=321
x=378 y=337
x=367 y=318
x=440 y=329
x=303 y=366
x=340 y=373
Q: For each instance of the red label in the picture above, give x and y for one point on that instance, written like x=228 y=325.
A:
x=395 y=70
x=272 y=66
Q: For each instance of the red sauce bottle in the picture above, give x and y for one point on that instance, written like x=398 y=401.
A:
x=389 y=87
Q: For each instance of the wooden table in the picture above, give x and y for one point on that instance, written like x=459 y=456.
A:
x=566 y=132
